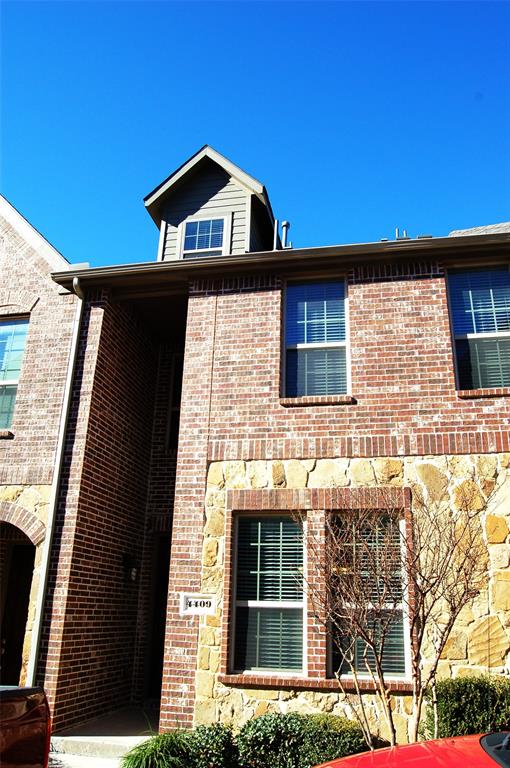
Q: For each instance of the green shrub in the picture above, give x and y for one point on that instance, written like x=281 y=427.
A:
x=212 y=746
x=296 y=741
x=164 y=750
x=470 y=705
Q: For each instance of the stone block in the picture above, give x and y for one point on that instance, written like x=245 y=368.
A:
x=327 y=474
x=455 y=647
x=389 y=471
x=496 y=528
x=500 y=556
x=210 y=552
x=500 y=591
x=488 y=642
x=264 y=694
x=235 y=474
x=205 y=712
x=214 y=659
x=203 y=657
x=207 y=636
x=215 y=522
x=434 y=481
x=487 y=466
x=204 y=684
x=468 y=497
x=362 y=472
x=297 y=475
x=212 y=579
x=10 y=492
x=278 y=474
x=257 y=473
x=215 y=475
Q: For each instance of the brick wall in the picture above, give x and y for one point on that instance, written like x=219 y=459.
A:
x=27 y=289
x=403 y=403
x=87 y=652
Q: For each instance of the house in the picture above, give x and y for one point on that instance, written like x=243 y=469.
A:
x=228 y=385
x=36 y=327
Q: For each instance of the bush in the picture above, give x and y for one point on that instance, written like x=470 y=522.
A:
x=212 y=746
x=470 y=705
x=296 y=741
x=165 y=750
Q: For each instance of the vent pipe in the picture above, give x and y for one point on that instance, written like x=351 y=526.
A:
x=285 y=232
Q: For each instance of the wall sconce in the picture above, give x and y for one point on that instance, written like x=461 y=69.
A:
x=130 y=567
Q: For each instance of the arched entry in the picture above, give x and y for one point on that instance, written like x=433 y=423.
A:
x=17 y=555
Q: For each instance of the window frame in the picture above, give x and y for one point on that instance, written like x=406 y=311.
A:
x=324 y=345
x=225 y=216
x=467 y=336
x=6 y=320
x=234 y=603
x=402 y=607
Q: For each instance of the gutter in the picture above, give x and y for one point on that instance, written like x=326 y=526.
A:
x=55 y=486
x=327 y=256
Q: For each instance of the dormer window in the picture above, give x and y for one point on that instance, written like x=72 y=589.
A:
x=204 y=237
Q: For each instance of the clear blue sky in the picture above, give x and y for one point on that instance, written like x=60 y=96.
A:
x=358 y=117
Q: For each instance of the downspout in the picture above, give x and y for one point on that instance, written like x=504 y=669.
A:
x=55 y=485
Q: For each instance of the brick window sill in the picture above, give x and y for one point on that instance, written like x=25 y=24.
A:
x=473 y=394
x=297 y=402
x=6 y=434
x=309 y=683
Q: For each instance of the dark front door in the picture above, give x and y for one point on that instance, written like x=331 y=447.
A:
x=17 y=571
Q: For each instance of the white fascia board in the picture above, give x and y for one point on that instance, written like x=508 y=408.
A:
x=32 y=237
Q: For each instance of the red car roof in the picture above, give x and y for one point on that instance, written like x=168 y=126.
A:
x=459 y=752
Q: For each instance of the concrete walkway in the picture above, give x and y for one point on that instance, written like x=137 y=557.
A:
x=99 y=742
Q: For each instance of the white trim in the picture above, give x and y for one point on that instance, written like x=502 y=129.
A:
x=32 y=237
x=247 y=223
x=226 y=247
x=274 y=604
x=162 y=240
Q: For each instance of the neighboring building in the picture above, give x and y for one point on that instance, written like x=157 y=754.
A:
x=36 y=321
x=230 y=384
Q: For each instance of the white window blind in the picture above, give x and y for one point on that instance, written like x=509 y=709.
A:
x=315 y=339
x=369 y=551
x=269 y=595
x=12 y=345
x=480 y=307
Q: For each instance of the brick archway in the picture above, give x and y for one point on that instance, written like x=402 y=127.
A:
x=26 y=521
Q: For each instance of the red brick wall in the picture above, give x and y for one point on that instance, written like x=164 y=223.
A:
x=88 y=647
x=27 y=289
x=402 y=376
x=404 y=403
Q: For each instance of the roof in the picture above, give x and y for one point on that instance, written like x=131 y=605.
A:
x=487 y=229
x=32 y=236
x=154 y=199
x=148 y=278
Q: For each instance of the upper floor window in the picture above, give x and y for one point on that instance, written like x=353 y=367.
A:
x=480 y=306
x=269 y=605
x=203 y=237
x=315 y=347
x=12 y=344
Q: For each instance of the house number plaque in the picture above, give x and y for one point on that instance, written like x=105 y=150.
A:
x=197 y=605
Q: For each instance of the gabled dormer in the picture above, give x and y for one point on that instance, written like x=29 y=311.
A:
x=209 y=207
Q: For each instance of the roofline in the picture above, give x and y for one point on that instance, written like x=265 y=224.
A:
x=322 y=257
x=32 y=236
x=206 y=151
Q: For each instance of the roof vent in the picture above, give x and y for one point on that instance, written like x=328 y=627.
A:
x=403 y=236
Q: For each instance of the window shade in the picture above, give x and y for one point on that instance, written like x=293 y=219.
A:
x=269 y=570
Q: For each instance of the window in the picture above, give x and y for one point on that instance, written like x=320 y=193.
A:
x=203 y=237
x=368 y=585
x=12 y=344
x=268 y=632
x=315 y=349
x=480 y=307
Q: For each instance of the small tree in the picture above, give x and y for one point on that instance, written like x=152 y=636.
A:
x=374 y=572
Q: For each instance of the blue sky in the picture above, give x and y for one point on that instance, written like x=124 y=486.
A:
x=358 y=117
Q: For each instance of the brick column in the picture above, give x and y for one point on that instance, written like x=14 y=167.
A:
x=180 y=659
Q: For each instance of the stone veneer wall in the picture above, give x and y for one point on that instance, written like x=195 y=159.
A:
x=26 y=507
x=481 y=637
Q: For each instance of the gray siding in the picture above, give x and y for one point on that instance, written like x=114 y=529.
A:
x=209 y=191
